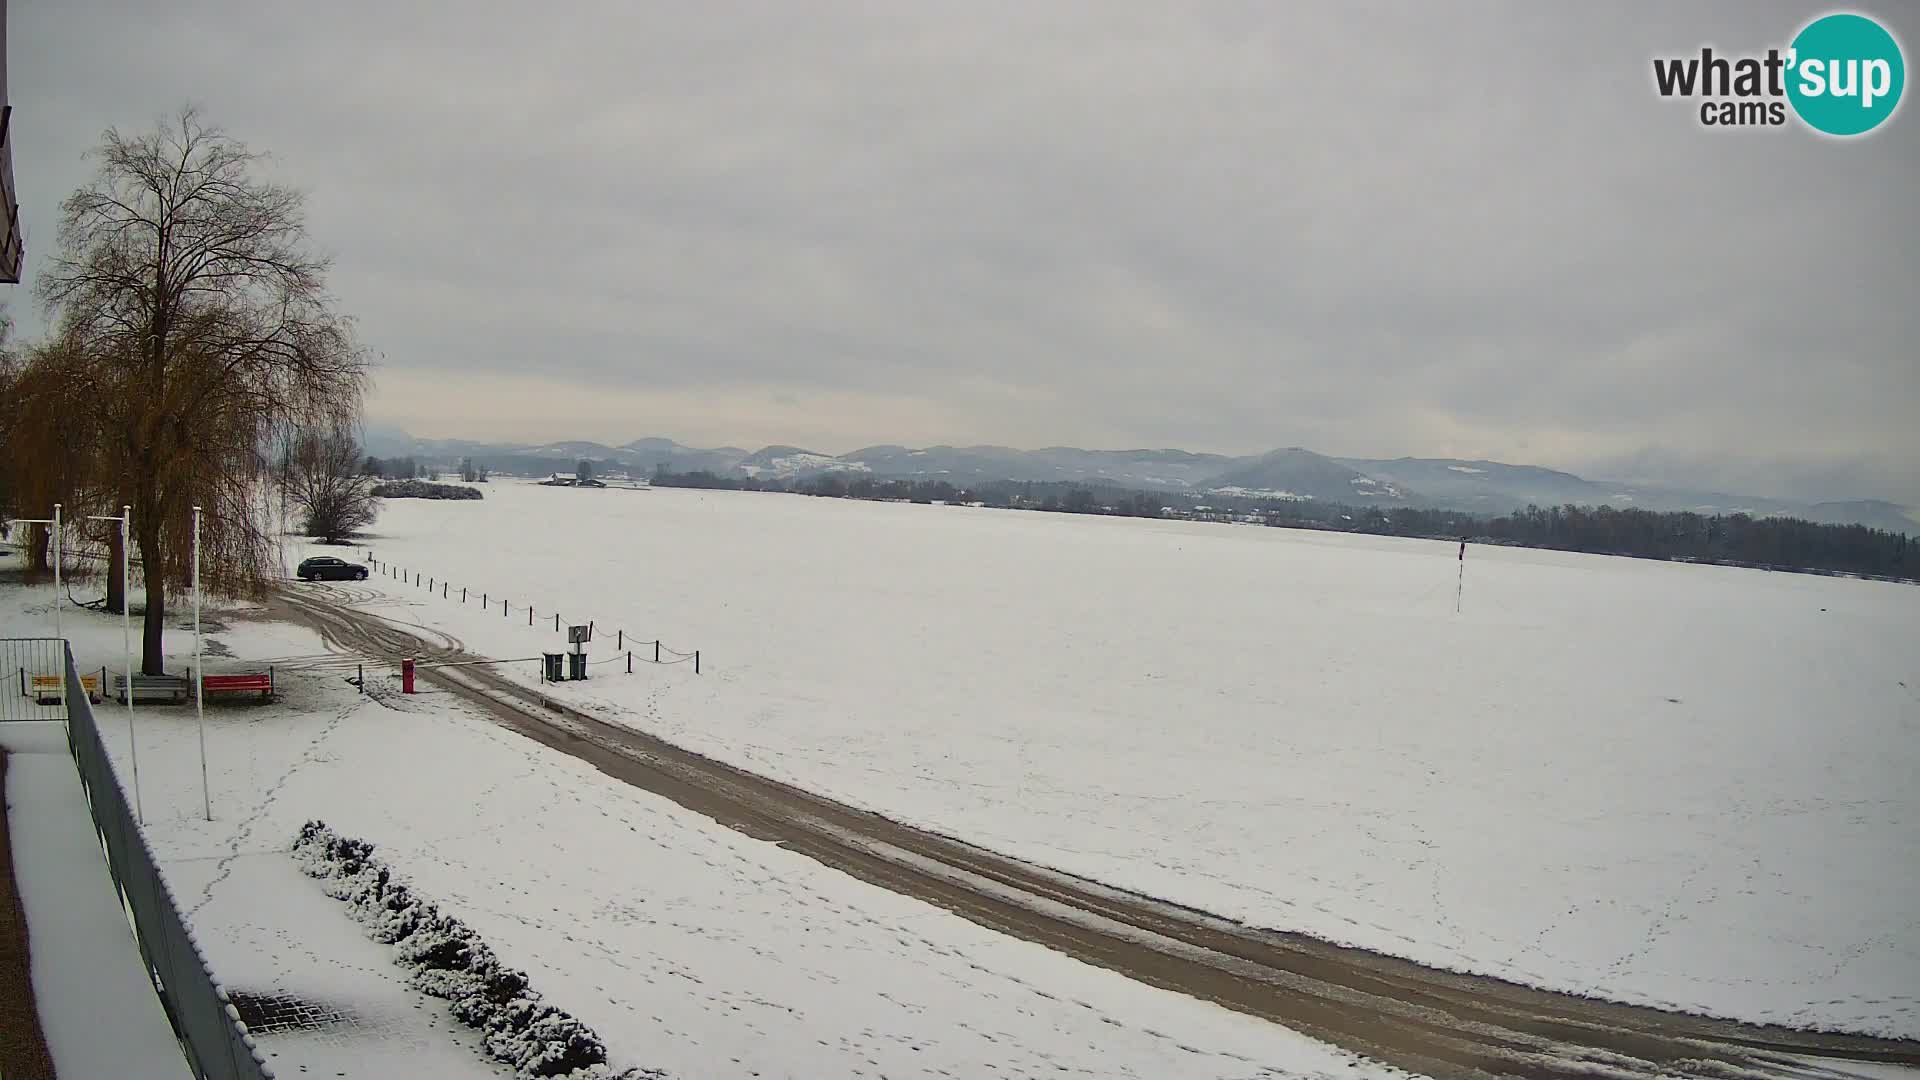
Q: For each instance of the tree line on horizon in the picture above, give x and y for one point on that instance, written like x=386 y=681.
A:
x=1737 y=539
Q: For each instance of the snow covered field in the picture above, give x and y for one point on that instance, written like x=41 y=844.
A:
x=1678 y=785
x=686 y=945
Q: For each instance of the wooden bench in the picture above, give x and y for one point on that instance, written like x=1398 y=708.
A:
x=170 y=689
x=47 y=689
x=261 y=684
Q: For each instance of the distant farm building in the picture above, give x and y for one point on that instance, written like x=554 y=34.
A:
x=570 y=480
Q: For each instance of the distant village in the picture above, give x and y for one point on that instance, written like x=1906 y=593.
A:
x=567 y=479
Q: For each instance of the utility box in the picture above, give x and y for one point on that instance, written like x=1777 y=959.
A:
x=576 y=665
x=550 y=666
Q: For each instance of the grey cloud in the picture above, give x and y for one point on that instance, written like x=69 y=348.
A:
x=1371 y=229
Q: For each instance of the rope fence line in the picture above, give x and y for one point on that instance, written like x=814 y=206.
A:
x=623 y=640
x=358 y=665
x=476 y=663
x=663 y=656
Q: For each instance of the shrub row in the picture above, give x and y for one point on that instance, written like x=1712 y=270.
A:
x=446 y=959
x=424 y=489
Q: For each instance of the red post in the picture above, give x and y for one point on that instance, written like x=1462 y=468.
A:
x=406 y=675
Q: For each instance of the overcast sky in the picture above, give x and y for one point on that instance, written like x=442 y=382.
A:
x=1367 y=229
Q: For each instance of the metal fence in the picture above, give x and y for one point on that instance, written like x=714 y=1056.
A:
x=34 y=670
x=216 y=1042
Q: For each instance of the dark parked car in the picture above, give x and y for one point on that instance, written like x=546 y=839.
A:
x=328 y=568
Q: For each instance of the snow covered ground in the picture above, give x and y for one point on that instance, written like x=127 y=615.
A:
x=688 y=946
x=1679 y=785
x=86 y=964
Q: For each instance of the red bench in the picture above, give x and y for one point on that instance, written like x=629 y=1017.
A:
x=239 y=684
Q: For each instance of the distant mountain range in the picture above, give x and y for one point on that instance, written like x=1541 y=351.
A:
x=1487 y=487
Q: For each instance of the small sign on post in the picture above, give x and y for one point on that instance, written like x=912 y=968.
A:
x=579 y=635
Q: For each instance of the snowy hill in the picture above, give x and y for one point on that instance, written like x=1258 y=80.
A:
x=787 y=462
x=1489 y=486
x=1479 y=486
x=1303 y=474
x=1493 y=487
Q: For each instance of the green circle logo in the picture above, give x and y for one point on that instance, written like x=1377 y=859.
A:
x=1845 y=74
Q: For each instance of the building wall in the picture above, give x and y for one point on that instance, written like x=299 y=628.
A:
x=11 y=248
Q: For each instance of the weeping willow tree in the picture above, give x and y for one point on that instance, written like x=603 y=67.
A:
x=194 y=331
x=49 y=454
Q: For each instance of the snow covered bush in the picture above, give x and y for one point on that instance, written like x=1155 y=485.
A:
x=446 y=959
x=551 y=1043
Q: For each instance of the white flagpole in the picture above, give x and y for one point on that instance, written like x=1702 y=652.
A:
x=58 y=596
x=126 y=636
x=199 y=677
x=59 y=601
x=53 y=541
x=133 y=750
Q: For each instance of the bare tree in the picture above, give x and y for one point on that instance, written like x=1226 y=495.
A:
x=325 y=482
x=184 y=284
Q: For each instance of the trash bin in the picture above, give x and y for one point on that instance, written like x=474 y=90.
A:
x=576 y=665
x=550 y=666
